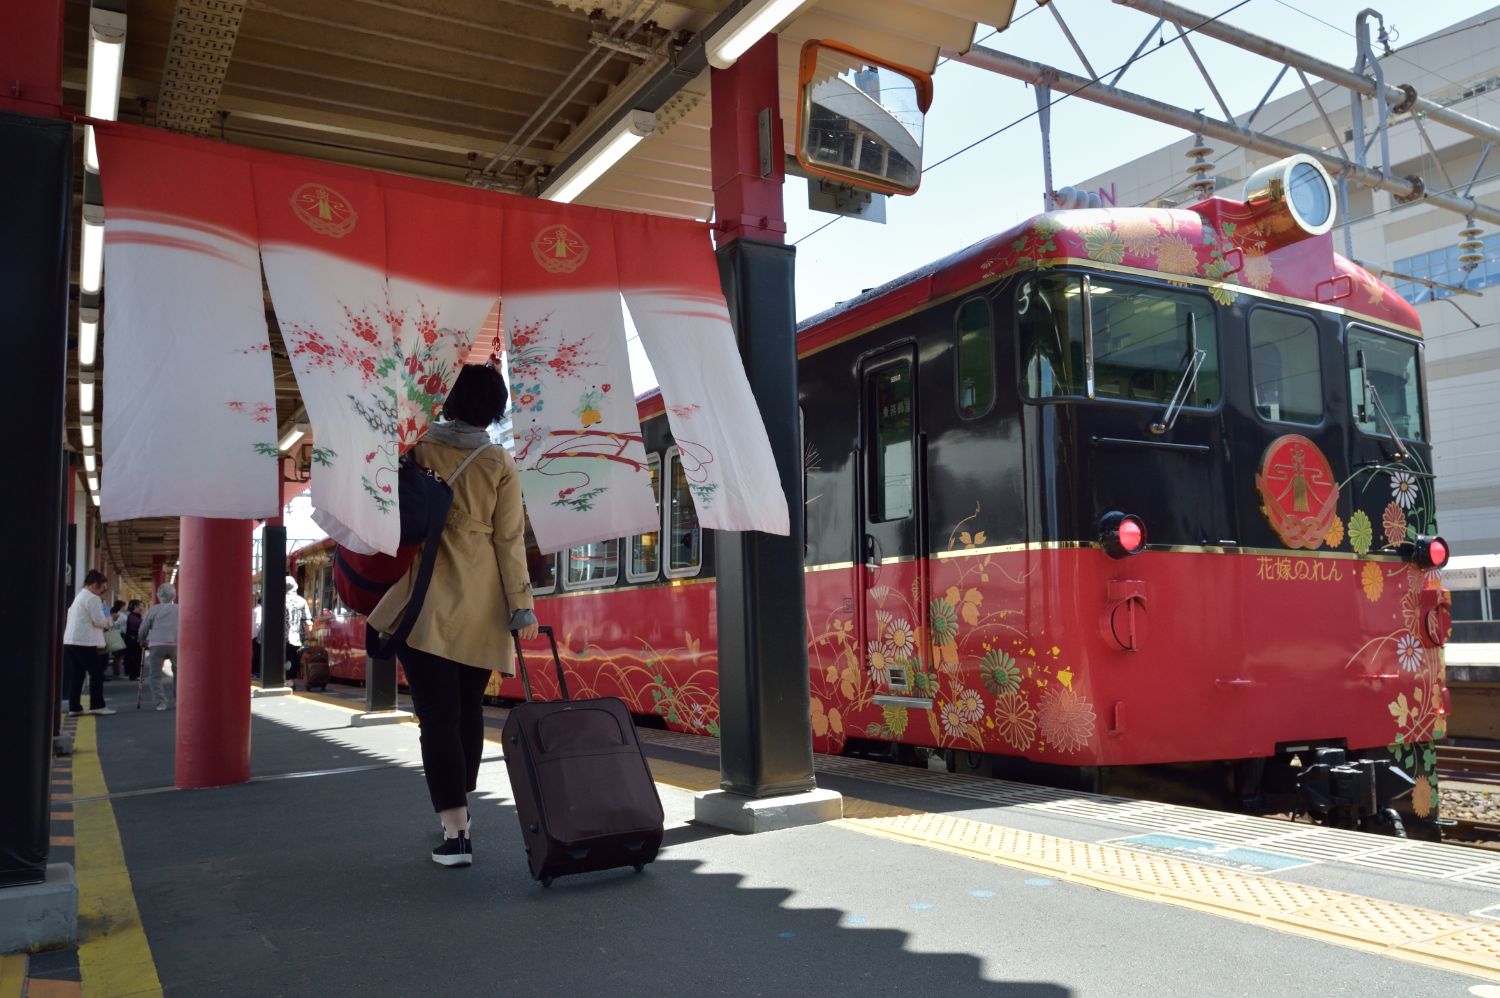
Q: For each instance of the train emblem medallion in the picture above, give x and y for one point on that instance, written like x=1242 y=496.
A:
x=324 y=210
x=559 y=249
x=1297 y=491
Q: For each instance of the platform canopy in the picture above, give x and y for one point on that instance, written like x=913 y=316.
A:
x=504 y=94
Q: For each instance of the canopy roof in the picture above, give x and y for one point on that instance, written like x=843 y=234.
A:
x=493 y=93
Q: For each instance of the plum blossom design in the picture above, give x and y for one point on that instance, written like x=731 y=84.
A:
x=1404 y=489
x=1067 y=719
x=528 y=398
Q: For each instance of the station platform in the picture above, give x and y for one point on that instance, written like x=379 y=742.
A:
x=314 y=879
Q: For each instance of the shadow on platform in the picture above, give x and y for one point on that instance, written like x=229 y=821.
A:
x=322 y=885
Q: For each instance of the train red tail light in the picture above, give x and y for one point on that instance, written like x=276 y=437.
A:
x=1426 y=551
x=1122 y=534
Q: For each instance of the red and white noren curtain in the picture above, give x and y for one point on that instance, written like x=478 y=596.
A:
x=381 y=286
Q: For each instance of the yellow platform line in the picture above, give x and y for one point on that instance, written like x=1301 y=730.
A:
x=12 y=975
x=1436 y=939
x=114 y=956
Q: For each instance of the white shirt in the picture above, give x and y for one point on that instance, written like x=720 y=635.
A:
x=296 y=617
x=87 y=621
x=255 y=623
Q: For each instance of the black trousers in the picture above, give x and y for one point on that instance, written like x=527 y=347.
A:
x=449 y=701
x=84 y=661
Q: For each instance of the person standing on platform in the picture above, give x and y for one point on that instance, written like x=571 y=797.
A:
x=255 y=612
x=133 y=641
x=159 y=637
x=83 y=644
x=480 y=592
x=296 y=627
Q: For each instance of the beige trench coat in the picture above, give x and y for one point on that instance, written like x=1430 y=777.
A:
x=480 y=577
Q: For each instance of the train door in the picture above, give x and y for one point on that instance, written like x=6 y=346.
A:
x=891 y=525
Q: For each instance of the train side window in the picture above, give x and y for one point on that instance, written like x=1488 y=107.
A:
x=974 y=334
x=1049 y=312
x=645 y=549
x=1286 y=375
x=541 y=567
x=892 y=450
x=590 y=565
x=684 y=535
x=1392 y=370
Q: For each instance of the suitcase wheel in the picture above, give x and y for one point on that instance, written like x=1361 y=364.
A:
x=546 y=881
x=640 y=867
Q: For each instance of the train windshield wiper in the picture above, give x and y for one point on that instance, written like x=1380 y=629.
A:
x=1188 y=382
x=1372 y=394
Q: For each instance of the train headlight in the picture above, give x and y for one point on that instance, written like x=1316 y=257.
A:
x=1426 y=551
x=1122 y=534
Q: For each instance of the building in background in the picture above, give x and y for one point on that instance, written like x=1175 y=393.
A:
x=1458 y=67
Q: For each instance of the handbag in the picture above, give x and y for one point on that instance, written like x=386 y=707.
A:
x=114 y=641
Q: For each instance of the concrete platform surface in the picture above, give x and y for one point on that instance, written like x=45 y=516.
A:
x=314 y=879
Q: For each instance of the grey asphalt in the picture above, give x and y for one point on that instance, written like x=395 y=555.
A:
x=321 y=885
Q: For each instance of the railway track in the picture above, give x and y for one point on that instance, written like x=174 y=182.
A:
x=1466 y=764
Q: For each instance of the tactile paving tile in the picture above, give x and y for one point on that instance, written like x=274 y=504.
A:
x=1436 y=938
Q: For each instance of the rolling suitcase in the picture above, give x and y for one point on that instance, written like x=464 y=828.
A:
x=583 y=790
x=315 y=671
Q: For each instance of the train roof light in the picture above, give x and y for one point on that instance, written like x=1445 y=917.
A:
x=1121 y=534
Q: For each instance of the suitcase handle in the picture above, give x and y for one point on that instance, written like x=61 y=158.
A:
x=562 y=682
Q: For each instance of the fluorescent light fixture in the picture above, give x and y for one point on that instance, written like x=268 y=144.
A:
x=293 y=435
x=86 y=394
x=91 y=258
x=90 y=463
x=86 y=430
x=573 y=180
x=106 y=60
x=94 y=496
x=755 y=20
x=88 y=336
x=94 y=483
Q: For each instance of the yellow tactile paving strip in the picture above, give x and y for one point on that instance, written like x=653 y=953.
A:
x=1433 y=938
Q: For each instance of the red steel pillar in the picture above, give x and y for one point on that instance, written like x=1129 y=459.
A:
x=31 y=48
x=213 y=698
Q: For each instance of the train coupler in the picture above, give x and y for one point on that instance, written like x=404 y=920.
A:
x=1354 y=793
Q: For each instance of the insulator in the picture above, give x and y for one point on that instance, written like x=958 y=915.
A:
x=1470 y=247
x=1200 y=168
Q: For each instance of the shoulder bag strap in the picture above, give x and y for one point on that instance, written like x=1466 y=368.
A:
x=437 y=519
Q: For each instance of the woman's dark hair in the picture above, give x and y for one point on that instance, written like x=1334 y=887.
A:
x=135 y=605
x=119 y=605
x=478 y=396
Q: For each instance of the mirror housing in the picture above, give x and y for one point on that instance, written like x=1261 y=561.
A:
x=860 y=118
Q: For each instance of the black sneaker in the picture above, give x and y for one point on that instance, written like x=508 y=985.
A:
x=454 y=852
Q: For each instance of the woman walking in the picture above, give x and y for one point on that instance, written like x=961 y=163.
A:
x=159 y=638
x=480 y=592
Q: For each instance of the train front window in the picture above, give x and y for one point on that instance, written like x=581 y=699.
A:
x=1286 y=374
x=1137 y=343
x=893 y=467
x=1383 y=375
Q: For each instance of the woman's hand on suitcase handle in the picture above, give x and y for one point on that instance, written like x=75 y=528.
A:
x=524 y=623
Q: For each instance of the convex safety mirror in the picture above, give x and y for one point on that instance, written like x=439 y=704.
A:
x=859 y=118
